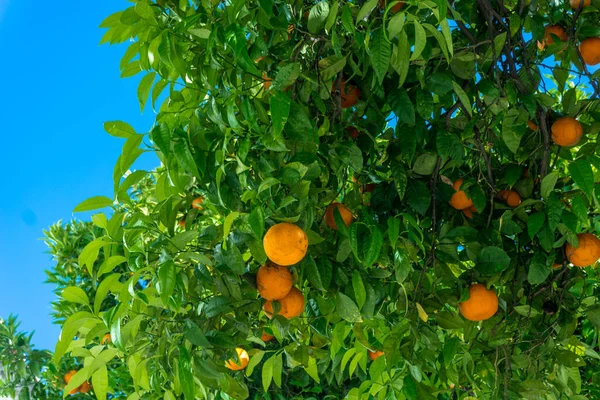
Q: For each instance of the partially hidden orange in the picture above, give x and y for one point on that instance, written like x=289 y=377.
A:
x=459 y=199
x=590 y=50
x=273 y=281
x=374 y=355
x=291 y=305
x=243 y=358
x=344 y=212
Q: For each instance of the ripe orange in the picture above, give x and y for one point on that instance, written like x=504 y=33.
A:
x=575 y=3
x=267 y=83
x=397 y=7
x=197 y=203
x=459 y=200
x=468 y=212
x=285 y=244
x=482 y=303
x=349 y=93
x=106 y=339
x=265 y=337
x=292 y=305
x=566 y=131
x=69 y=375
x=344 y=212
x=85 y=387
x=587 y=253
x=590 y=50
x=511 y=197
x=532 y=125
x=550 y=30
x=243 y=357
x=352 y=132
x=374 y=355
x=273 y=281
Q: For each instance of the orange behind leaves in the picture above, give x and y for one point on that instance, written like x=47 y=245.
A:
x=587 y=253
x=291 y=305
x=348 y=92
x=352 y=132
x=243 y=357
x=285 y=244
x=106 y=339
x=555 y=30
x=265 y=337
x=197 y=203
x=344 y=212
x=482 y=303
x=69 y=375
x=273 y=281
x=85 y=387
x=459 y=200
x=511 y=197
x=566 y=131
x=397 y=7
x=468 y=212
x=532 y=125
x=267 y=83
x=575 y=3
x=374 y=355
x=590 y=50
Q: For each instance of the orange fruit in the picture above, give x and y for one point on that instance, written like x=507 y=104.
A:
x=243 y=357
x=397 y=7
x=344 y=212
x=69 y=375
x=349 y=93
x=273 y=281
x=374 y=355
x=106 y=339
x=265 y=337
x=575 y=3
x=292 y=305
x=511 y=197
x=482 y=303
x=550 y=30
x=532 y=125
x=587 y=253
x=590 y=50
x=352 y=132
x=468 y=212
x=566 y=131
x=259 y=59
x=285 y=244
x=85 y=387
x=197 y=203
x=459 y=200
x=267 y=83
x=556 y=266
x=74 y=391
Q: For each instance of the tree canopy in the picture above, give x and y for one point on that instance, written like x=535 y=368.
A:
x=398 y=154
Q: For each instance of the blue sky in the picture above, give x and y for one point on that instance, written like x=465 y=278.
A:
x=58 y=88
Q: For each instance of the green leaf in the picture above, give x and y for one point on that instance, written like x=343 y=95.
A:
x=161 y=135
x=194 y=334
x=331 y=66
x=167 y=278
x=418 y=196
x=349 y=154
x=109 y=264
x=400 y=179
x=90 y=252
x=75 y=295
x=232 y=216
x=69 y=330
x=312 y=370
x=144 y=10
x=277 y=369
x=492 y=260
x=401 y=57
x=119 y=129
x=267 y=373
x=100 y=382
x=402 y=106
x=359 y=289
x=280 y=109
x=202 y=33
x=593 y=315
x=266 y=184
x=527 y=311
x=254 y=361
x=366 y=10
x=425 y=164
x=256 y=220
x=109 y=284
x=582 y=174
x=332 y=17
x=347 y=308
x=448 y=320
x=186 y=374
x=312 y=272
x=420 y=40
x=184 y=157
x=396 y=24
x=145 y=87
x=93 y=203
x=373 y=244
x=462 y=96
x=538 y=270
x=380 y=54
x=535 y=223
x=393 y=230
x=317 y=19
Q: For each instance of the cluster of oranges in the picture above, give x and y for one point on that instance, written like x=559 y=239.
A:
x=83 y=388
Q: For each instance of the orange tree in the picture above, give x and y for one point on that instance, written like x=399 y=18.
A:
x=411 y=177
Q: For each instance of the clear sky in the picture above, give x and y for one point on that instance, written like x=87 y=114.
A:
x=58 y=87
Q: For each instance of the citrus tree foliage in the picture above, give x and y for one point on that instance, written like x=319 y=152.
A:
x=255 y=117
x=25 y=373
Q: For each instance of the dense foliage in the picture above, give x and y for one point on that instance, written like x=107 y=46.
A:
x=270 y=111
